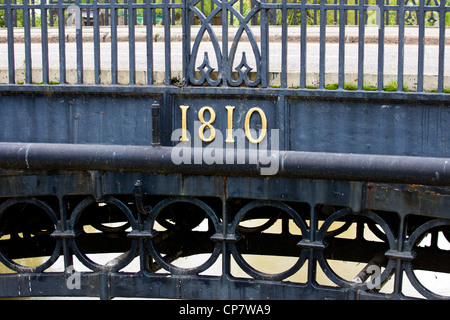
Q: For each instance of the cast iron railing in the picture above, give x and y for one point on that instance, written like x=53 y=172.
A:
x=244 y=6
x=221 y=66
x=87 y=169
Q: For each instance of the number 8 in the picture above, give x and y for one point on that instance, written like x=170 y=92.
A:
x=205 y=124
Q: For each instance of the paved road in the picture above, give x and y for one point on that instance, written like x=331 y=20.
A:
x=351 y=58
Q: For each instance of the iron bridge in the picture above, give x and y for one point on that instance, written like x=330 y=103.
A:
x=206 y=180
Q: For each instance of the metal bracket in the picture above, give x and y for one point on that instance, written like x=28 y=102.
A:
x=138 y=195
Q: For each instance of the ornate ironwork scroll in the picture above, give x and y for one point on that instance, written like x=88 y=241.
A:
x=224 y=59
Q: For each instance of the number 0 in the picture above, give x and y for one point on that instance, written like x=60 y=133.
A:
x=263 y=127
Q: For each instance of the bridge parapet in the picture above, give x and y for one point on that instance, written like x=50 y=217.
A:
x=216 y=184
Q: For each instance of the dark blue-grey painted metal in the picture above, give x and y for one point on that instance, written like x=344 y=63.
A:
x=206 y=6
x=324 y=165
x=109 y=157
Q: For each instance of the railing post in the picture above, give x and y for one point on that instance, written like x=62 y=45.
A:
x=303 y=44
x=361 y=36
x=114 y=62
x=10 y=30
x=131 y=43
x=97 y=65
x=380 y=77
x=421 y=45
x=264 y=46
x=442 y=28
x=149 y=40
x=76 y=11
x=186 y=25
x=27 y=34
x=44 y=42
x=166 y=20
x=401 y=42
x=224 y=19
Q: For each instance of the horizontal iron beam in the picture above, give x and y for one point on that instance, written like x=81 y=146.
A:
x=289 y=164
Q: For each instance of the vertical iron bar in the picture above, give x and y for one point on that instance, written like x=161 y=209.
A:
x=231 y=18
x=27 y=35
x=52 y=13
x=273 y=16
x=303 y=25
x=398 y=283
x=14 y=15
x=68 y=259
x=315 y=13
x=173 y=15
x=131 y=43
x=10 y=29
x=62 y=43
x=33 y=15
x=166 y=19
x=294 y=21
x=380 y=77
x=362 y=26
x=211 y=8
x=125 y=14
x=154 y=14
x=335 y=11
x=401 y=44
x=226 y=69
x=113 y=42
x=104 y=285
x=156 y=121
x=97 y=64
x=107 y=15
x=387 y=11
x=342 y=19
x=284 y=44
x=79 y=40
x=226 y=265
x=366 y=14
x=149 y=27
x=44 y=42
x=185 y=16
x=322 y=45
x=254 y=18
x=421 y=22
x=312 y=262
x=88 y=16
x=264 y=47
x=442 y=13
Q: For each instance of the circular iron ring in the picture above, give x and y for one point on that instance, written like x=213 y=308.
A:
x=150 y=223
x=76 y=214
x=415 y=237
x=322 y=233
x=247 y=267
x=51 y=214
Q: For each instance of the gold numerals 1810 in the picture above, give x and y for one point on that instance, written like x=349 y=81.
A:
x=212 y=131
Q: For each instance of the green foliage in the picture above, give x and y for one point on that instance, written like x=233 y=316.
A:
x=393 y=86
